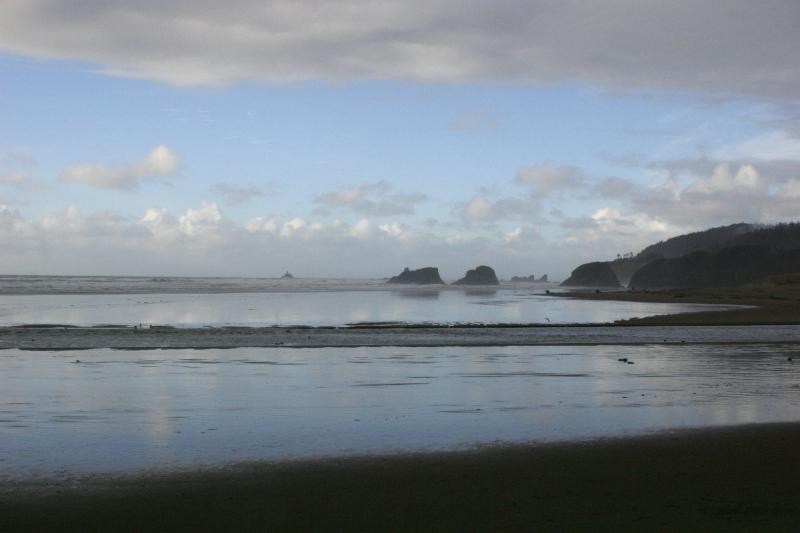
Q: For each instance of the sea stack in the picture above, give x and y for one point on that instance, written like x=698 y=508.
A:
x=598 y=274
x=422 y=276
x=482 y=275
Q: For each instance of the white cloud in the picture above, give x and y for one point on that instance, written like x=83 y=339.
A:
x=207 y=218
x=479 y=208
x=264 y=224
x=376 y=199
x=744 y=181
x=771 y=145
x=363 y=229
x=609 y=231
x=293 y=226
x=401 y=232
x=723 y=45
x=513 y=235
x=160 y=163
x=728 y=193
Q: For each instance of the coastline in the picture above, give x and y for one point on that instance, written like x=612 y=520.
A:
x=763 y=305
x=730 y=478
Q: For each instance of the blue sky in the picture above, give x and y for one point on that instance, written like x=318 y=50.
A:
x=124 y=157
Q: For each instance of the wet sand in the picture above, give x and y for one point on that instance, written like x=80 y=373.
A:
x=129 y=338
x=730 y=479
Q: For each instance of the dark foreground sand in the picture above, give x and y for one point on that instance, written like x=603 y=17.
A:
x=744 y=478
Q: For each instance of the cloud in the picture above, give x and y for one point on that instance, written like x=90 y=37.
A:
x=546 y=178
x=542 y=181
x=728 y=46
x=609 y=231
x=730 y=192
x=771 y=145
x=234 y=194
x=16 y=178
x=159 y=165
x=202 y=240
x=16 y=170
x=376 y=199
x=482 y=209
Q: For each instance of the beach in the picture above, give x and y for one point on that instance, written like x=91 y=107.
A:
x=631 y=412
x=727 y=479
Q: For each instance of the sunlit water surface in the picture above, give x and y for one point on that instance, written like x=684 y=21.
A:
x=73 y=413
x=334 y=306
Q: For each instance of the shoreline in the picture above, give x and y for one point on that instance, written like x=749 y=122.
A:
x=756 y=305
x=725 y=478
x=638 y=333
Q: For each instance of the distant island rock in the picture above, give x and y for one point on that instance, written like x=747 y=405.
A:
x=529 y=279
x=288 y=275
x=422 y=276
x=482 y=275
x=598 y=274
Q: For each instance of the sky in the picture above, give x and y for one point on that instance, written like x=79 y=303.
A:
x=354 y=138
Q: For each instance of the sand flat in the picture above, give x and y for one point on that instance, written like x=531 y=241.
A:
x=65 y=338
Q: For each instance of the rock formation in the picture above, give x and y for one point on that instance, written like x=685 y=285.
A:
x=422 y=276
x=598 y=274
x=529 y=279
x=482 y=275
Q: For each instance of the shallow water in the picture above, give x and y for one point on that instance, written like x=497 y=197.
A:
x=118 y=410
x=506 y=304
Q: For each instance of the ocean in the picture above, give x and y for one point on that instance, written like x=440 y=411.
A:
x=198 y=302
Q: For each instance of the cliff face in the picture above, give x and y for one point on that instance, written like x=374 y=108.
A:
x=422 y=276
x=482 y=275
x=598 y=274
x=730 y=266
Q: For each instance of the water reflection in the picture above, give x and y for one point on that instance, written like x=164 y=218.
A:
x=322 y=308
x=116 y=410
x=429 y=294
x=481 y=291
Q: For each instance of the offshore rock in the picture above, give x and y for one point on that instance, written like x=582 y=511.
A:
x=422 y=276
x=597 y=274
x=482 y=275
